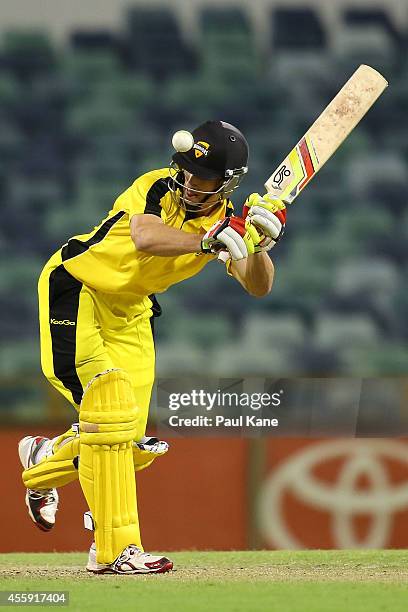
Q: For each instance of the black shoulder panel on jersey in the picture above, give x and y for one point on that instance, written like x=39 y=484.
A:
x=76 y=247
x=230 y=209
x=156 y=192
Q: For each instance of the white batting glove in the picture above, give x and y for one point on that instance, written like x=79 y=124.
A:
x=268 y=215
x=233 y=235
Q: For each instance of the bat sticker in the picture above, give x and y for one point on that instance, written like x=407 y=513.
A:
x=280 y=175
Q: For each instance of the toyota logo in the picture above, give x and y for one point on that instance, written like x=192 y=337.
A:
x=344 y=499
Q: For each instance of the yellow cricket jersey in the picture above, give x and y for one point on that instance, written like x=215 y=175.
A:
x=106 y=259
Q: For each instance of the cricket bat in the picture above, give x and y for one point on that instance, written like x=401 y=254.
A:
x=326 y=134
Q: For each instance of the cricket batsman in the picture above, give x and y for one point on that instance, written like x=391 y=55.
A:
x=96 y=302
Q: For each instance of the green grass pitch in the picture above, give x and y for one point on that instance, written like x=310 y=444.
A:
x=300 y=581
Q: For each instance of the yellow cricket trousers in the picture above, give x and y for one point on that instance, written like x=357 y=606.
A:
x=82 y=335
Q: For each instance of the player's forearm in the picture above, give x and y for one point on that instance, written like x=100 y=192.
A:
x=165 y=241
x=259 y=274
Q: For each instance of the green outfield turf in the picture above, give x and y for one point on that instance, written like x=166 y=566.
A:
x=267 y=581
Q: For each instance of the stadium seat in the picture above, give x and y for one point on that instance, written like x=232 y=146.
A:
x=375 y=276
x=337 y=332
x=309 y=70
x=142 y=21
x=19 y=317
x=224 y=20
x=133 y=91
x=370 y=174
x=367 y=225
x=86 y=68
x=181 y=358
x=10 y=92
x=369 y=16
x=262 y=331
x=205 y=98
x=297 y=28
x=304 y=283
x=225 y=65
x=12 y=143
x=202 y=330
x=16 y=359
x=92 y=116
x=232 y=360
x=370 y=45
x=21 y=272
x=91 y=40
x=389 y=359
x=155 y=45
x=37 y=192
x=27 y=53
x=315 y=361
x=230 y=55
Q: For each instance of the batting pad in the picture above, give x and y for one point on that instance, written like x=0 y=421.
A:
x=61 y=467
x=108 y=424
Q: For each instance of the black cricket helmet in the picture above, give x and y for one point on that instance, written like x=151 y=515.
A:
x=219 y=151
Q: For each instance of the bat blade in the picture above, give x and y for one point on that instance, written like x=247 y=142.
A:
x=326 y=134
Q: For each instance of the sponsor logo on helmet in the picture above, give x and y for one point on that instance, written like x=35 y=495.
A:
x=201 y=148
x=64 y=322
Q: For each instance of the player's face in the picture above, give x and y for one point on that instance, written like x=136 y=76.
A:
x=193 y=185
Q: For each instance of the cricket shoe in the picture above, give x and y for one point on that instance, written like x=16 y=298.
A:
x=42 y=504
x=131 y=561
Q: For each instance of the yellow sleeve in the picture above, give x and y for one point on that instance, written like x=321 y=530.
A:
x=144 y=195
x=138 y=197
